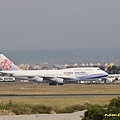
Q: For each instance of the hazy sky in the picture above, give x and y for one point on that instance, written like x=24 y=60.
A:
x=46 y=24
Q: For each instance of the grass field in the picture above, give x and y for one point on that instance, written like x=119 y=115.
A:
x=57 y=103
x=27 y=88
x=48 y=105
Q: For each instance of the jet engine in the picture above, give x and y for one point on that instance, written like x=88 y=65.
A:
x=58 y=80
x=38 y=79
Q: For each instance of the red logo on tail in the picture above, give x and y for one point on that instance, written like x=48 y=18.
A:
x=6 y=64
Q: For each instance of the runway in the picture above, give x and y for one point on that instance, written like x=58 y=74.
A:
x=57 y=95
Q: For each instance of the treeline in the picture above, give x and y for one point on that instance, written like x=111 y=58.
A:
x=111 y=69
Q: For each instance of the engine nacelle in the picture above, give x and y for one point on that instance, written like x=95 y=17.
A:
x=38 y=79
x=58 y=80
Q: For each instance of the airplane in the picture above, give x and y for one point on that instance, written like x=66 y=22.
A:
x=111 y=78
x=54 y=77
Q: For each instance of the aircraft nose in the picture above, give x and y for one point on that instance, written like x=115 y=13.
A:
x=105 y=73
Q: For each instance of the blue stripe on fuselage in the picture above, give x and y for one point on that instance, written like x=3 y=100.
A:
x=92 y=76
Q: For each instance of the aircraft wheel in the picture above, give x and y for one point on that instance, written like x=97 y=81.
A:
x=52 y=83
x=60 y=83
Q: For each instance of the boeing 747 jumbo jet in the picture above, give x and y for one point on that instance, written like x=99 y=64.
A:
x=54 y=77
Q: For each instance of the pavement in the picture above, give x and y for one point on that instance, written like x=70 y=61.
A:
x=67 y=116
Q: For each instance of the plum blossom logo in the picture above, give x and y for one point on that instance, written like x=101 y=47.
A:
x=6 y=64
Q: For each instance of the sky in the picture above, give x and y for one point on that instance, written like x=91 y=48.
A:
x=59 y=24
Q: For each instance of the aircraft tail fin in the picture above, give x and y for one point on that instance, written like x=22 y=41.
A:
x=6 y=64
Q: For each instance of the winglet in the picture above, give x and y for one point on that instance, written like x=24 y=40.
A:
x=6 y=64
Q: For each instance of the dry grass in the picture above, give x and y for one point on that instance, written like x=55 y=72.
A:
x=27 y=88
x=59 y=102
x=15 y=88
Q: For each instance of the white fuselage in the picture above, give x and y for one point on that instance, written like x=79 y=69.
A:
x=71 y=73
